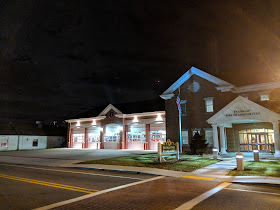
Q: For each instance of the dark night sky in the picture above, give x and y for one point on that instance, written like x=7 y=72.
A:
x=59 y=58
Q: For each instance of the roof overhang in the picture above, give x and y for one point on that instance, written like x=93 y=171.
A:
x=143 y=114
x=86 y=119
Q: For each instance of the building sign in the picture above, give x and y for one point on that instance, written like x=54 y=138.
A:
x=168 y=147
x=242 y=113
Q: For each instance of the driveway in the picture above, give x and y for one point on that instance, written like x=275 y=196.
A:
x=62 y=156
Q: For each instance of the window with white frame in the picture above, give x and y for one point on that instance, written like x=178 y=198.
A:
x=185 y=137
x=209 y=105
x=209 y=137
x=183 y=104
x=264 y=97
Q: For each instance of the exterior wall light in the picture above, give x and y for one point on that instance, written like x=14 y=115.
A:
x=159 y=118
x=93 y=122
x=78 y=124
x=135 y=120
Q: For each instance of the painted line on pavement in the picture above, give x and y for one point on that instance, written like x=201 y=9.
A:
x=96 y=194
x=198 y=177
x=190 y=204
x=73 y=172
x=49 y=184
x=253 y=191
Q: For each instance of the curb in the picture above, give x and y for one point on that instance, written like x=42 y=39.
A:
x=114 y=170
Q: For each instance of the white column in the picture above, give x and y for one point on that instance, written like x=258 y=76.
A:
x=222 y=140
x=276 y=139
x=215 y=136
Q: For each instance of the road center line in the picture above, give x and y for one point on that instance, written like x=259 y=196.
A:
x=190 y=204
x=49 y=184
x=96 y=194
x=253 y=191
x=73 y=172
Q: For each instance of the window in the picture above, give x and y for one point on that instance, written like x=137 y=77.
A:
x=264 y=97
x=185 y=137
x=183 y=107
x=209 y=104
x=209 y=137
x=35 y=143
x=4 y=143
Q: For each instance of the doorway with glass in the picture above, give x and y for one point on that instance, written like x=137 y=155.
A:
x=260 y=139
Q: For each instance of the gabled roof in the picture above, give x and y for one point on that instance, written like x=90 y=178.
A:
x=223 y=86
x=108 y=108
x=241 y=109
x=138 y=107
x=187 y=75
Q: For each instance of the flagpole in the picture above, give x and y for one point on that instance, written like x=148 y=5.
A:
x=180 y=128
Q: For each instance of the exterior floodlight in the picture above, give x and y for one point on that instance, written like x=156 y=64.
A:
x=93 y=122
x=135 y=120
x=78 y=124
x=159 y=118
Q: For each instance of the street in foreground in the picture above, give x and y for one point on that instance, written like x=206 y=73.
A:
x=29 y=187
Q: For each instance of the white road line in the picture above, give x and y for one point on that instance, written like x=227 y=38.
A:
x=253 y=191
x=96 y=194
x=190 y=204
x=73 y=172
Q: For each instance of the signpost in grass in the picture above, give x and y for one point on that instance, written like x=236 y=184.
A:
x=168 y=148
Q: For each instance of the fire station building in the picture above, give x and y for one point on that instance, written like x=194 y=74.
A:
x=230 y=118
x=112 y=129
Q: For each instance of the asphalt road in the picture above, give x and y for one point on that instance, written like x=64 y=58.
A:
x=29 y=187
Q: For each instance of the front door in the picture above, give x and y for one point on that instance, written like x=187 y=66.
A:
x=258 y=141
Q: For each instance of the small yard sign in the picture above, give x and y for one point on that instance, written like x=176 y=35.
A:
x=166 y=148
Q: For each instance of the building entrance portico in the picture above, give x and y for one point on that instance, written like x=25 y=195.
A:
x=251 y=125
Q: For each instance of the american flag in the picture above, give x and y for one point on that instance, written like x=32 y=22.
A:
x=178 y=101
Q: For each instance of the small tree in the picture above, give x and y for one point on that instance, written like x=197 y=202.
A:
x=198 y=146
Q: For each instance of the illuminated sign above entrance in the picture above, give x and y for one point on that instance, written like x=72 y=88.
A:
x=242 y=113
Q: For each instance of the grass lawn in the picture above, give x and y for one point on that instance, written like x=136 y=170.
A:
x=187 y=164
x=258 y=169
